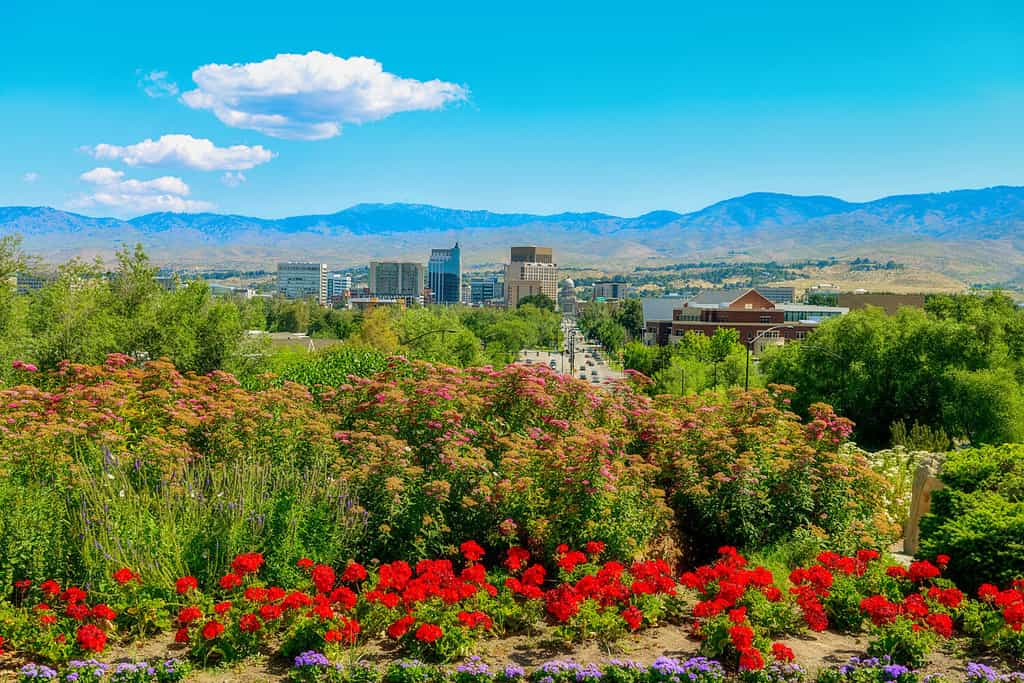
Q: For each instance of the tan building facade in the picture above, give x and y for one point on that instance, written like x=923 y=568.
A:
x=531 y=271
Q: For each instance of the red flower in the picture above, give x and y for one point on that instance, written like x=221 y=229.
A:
x=304 y=563
x=212 y=629
x=896 y=572
x=249 y=623
x=91 y=637
x=47 y=620
x=74 y=594
x=344 y=597
x=229 y=581
x=987 y=592
x=24 y=584
x=186 y=584
x=102 y=611
x=297 y=600
x=50 y=587
x=751 y=659
x=920 y=571
x=428 y=633
x=353 y=573
x=941 y=624
x=880 y=609
x=347 y=633
x=517 y=557
x=742 y=637
x=942 y=560
x=271 y=612
x=77 y=611
x=401 y=627
x=323 y=578
x=181 y=635
x=222 y=607
x=569 y=561
x=472 y=620
x=782 y=653
x=256 y=594
x=472 y=551
x=247 y=563
x=738 y=615
x=189 y=614
x=125 y=575
x=633 y=617
x=594 y=547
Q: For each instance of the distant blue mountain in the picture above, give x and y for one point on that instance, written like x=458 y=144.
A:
x=758 y=220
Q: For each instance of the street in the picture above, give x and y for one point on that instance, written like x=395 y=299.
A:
x=590 y=361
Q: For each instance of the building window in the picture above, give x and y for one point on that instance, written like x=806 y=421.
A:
x=766 y=318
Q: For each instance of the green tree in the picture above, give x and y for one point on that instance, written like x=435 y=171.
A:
x=539 y=300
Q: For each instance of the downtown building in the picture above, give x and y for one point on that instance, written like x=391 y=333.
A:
x=531 y=271
x=444 y=275
x=302 y=280
x=397 y=280
x=486 y=290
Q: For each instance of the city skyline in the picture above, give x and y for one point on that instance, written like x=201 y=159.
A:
x=673 y=106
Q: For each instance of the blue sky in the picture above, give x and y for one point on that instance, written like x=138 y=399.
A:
x=541 y=107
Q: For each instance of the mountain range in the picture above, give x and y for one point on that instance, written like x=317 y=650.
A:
x=984 y=226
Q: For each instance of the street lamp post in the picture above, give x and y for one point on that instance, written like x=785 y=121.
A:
x=750 y=343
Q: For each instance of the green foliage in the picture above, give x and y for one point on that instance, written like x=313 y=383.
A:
x=919 y=437
x=613 y=324
x=978 y=519
x=954 y=368
x=541 y=301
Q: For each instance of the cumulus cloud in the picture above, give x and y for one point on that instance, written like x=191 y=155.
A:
x=233 y=179
x=130 y=196
x=183 y=150
x=30 y=177
x=156 y=84
x=310 y=96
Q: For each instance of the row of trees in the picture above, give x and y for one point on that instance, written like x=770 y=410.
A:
x=696 y=363
x=954 y=369
x=90 y=310
x=613 y=324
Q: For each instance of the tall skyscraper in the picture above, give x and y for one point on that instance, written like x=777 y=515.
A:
x=396 y=278
x=531 y=271
x=301 y=280
x=444 y=275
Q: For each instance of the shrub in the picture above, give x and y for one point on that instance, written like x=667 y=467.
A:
x=978 y=519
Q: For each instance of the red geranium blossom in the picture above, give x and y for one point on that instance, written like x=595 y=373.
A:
x=189 y=614
x=212 y=629
x=91 y=637
x=323 y=578
x=353 y=573
x=782 y=653
x=181 y=635
x=186 y=584
x=428 y=633
x=401 y=627
x=633 y=617
x=125 y=575
x=247 y=563
x=222 y=607
x=249 y=623
x=102 y=611
x=472 y=551
x=229 y=581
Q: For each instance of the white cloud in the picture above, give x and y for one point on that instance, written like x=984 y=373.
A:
x=156 y=84
x=129 y=196
x=233 y=179
x=310 y=96
x=184 y=150
x=30 y=177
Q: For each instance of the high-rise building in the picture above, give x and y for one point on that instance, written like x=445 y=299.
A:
x=300 y=280
x=531 y=271
x=610 y=290
x=338 y=284
x=532 y=255
x=486 y=289
x=444 y=275
x=396 y=278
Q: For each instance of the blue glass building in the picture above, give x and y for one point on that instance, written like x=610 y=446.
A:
x=444 y=275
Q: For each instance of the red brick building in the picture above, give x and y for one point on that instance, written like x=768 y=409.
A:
x=752 y=315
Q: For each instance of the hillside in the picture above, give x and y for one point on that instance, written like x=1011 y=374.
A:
x=973 y=234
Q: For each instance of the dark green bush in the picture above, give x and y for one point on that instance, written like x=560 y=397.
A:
x=978 y=520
